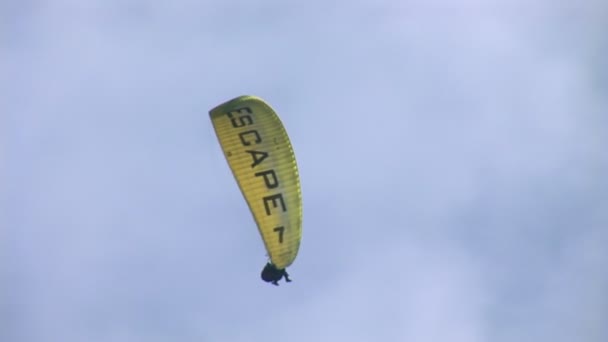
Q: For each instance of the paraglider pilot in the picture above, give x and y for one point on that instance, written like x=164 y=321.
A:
x=271 y=274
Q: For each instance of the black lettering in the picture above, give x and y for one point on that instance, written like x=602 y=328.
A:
x=280 y=230
x=273 y=199
x=247 y=142
x=243 y=109
x=257 y=156
x=241 y=121
x=270 y=178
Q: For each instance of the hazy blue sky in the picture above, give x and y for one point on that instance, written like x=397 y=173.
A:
x=452 y=157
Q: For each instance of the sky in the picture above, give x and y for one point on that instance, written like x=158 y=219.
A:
x=452 y=157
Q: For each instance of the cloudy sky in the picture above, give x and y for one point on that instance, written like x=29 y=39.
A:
x=452 y=157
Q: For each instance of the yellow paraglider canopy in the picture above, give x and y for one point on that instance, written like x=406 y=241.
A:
x=260 y=155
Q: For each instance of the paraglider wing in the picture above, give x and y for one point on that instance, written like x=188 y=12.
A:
x=261 y=157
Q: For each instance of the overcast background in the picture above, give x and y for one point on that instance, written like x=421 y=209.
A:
x=453 y=160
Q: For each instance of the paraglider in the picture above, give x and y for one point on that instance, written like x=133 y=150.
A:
x=271 y=274
x=262 y=161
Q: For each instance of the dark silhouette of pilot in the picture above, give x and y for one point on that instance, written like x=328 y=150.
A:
x=271 y=274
